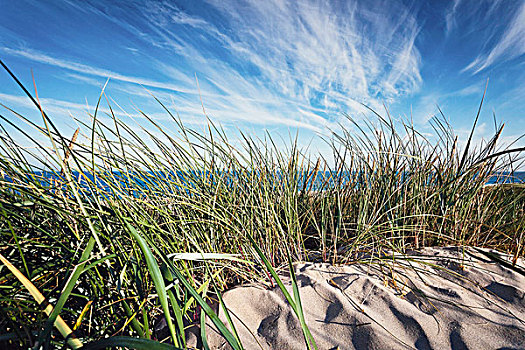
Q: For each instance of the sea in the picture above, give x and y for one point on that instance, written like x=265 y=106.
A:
x=144 y=183
x=516 y=177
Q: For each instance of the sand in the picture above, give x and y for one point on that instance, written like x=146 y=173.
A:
x=459 y=299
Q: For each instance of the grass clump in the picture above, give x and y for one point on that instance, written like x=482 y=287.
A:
x=125 y=229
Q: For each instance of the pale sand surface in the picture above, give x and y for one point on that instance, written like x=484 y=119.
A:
x=438 y=305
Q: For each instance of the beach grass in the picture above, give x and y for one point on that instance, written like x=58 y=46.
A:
x=126 y=235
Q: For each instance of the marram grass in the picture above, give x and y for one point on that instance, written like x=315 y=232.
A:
x=142 y=226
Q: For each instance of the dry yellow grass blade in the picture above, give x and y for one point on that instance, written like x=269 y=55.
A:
x=62 y=327
x=82 y=314
x=69 y=149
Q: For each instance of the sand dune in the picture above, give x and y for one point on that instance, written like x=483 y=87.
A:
x=448 y=298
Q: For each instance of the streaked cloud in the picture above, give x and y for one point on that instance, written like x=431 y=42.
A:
x=450 y=16
x=510 y=43
x=89 y=70
x=294 y=64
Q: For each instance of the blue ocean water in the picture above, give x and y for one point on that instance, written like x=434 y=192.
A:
x=142 y=183
x=516 y=177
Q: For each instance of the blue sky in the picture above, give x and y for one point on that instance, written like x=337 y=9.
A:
x=270 y=65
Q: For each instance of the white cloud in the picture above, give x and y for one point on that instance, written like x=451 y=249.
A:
x=49 y=105
x=90 y=70
x=314 y=55
x=271 y=62
x=450 y=16
x=475 y=89
x=510 y=45
x=310 y=48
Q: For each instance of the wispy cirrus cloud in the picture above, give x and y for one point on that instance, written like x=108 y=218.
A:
x=510 y=43
x=309 y=49
x=322 y=57
x=55 y=107
x=89 y=70
x=295 y=64
x=450 y=16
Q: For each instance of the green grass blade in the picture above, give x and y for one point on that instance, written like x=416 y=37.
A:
x=309 y=339
x=156 y=276
x=230 y=338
